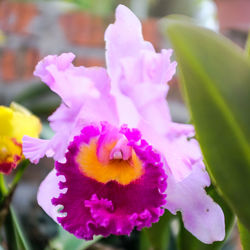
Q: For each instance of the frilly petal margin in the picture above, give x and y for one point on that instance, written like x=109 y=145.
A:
x=201 y=215
x=34 y=149
x=139 y=72
x=86 y=99
x=180 y=148
x=69 y=82
x=118 y=41
x=49 y=189
x=110 y=208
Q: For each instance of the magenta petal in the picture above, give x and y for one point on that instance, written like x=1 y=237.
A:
x=110 y=208
x=201 y=215
x=49 y=189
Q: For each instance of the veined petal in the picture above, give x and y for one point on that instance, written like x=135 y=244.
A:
x=201 y=215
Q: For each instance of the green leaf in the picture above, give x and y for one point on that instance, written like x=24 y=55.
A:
x=244 y=236
x=248 y=45
x=32 y=92
x=19 y=173
x=215 y=75
x=188 y=241
x=65 y=241
x=157 y=237
x=14 y=235
x=38 y=99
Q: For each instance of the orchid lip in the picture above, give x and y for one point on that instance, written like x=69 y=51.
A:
x=106 y=191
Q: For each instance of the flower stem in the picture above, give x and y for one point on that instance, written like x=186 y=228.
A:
x=20 y=170
x=7 y=193
x=3 y=188
x=14 y=235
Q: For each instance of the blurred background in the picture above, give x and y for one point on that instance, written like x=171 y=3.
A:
x=30 y=30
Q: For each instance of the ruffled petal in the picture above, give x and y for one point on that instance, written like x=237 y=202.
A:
x=49 y=189
x=69 y=82
x=182 y=150
x=119 y=44
x=179 y=147
x=106 y=206
x=201 y=215
x=86 y=99
x=139 y=72
x=34 y=149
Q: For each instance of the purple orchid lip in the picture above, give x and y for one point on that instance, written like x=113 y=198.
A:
x=110 y=207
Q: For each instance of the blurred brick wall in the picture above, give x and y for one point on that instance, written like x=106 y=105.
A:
x=32 y=31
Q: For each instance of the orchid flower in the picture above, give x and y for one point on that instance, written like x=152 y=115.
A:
x=16 y=121
x=120 y=160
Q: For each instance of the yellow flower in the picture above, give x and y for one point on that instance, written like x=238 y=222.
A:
x=15 y=122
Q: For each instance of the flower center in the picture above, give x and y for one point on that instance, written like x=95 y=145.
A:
x=120 y=167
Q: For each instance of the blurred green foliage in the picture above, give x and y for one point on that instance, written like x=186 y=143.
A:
x=215 y=76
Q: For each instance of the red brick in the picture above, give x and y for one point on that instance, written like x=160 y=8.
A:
x=151 y=32
x=234 y=14
x=84 y=29
x=8 y=66
x=17 y=16
x=89 y=61
x=31 y=58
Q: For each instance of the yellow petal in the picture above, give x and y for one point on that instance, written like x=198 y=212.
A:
x=6 y=115
x=24 y=123
x=15 y=122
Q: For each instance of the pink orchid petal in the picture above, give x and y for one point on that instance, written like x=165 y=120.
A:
x=86 y=98
x=34 y=149
x=119 y=43
x=201 y=215
x=143 y=79
x=49 y=189
x=69 y=82
x=180 y=152
x=150 y=102
x=138 y=72
x=68 y=122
